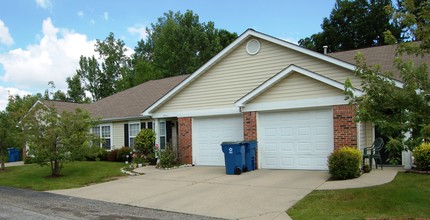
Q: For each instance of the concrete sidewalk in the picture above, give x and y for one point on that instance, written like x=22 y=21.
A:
x=374 y=178
x=13 y=164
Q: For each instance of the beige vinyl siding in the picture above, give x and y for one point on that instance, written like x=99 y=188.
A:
x=366 y=134
x=295 y=87
x=238 y=73
x=118 y=134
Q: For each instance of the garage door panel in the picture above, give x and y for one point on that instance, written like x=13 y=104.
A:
x=287 y=132
x=271 y=161
x=271 y=147
x=209 y=133
x=287 y=147
x=287 y=162
x=296 y=140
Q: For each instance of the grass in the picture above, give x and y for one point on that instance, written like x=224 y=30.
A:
x=406 y=197
x=73 y=175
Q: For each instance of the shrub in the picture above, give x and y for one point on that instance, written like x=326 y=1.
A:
x=112 y=156
x=167 y=158
x=422 y=156
x=344 y=163
x=29 y=160
x=144 y=142
x=122 y=154
x=97 y=154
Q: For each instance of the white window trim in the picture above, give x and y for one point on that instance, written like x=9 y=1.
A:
x=129 y=130
x=100 y=135
x=165 y=133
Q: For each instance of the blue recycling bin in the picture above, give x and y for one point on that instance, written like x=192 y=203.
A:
x=250 y=154
x=13 y=154
x=234 y=155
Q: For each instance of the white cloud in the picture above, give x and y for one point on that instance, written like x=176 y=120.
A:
x=54 y=58
x=5 y=92
x=139 y=30
x=45 y=4
x=5 y=37
x=106 y=15
x=80 y=14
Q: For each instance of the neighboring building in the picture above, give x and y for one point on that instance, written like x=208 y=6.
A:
x=120 y=114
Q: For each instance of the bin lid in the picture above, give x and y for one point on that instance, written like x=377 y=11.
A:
x=231 y=142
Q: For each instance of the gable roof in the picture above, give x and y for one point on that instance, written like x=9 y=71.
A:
x=127 y=104
x=243 y=37
x=281 y=75
x=132 y=102
x=62 y=106
x=382 y=55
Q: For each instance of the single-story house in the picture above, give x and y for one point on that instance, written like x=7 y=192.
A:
x=288 y=98
x=120 y=114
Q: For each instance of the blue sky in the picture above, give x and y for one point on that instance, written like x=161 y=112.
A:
x=42 y=40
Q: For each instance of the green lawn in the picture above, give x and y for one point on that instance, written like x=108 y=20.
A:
x=75 y=174
x=407 y=196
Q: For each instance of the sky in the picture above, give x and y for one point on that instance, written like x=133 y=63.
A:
x=42 y=40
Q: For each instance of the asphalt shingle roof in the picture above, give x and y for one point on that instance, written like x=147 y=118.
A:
x=382 y=55
x=126 y=104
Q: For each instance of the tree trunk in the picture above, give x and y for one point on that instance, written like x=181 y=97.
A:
x=55 y=168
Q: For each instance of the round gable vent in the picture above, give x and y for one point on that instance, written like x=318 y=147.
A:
x=253 y=47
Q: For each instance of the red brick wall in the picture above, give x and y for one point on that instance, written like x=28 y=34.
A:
x=185 y=140
x=344 y=126
x=250 y=130
x=250 y=126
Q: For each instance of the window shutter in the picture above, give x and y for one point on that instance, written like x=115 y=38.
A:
x=126 y=135
x=149 y=125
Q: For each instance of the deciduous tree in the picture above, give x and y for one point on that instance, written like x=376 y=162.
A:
x=354 y=24
x=57 y=138
x=401 y=114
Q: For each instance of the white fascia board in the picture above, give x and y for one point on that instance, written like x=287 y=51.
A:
x=304 y=50
x=296 y=104
x=31 y=108
x=126 y=118
x=198 y=113
x=232 y=46
x=197 y=73
x=284 y=73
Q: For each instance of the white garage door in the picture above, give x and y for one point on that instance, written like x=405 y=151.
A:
x=296 y=139
x=209 y=133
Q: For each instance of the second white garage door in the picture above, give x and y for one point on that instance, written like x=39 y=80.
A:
x=209 y=133
x=295 y=139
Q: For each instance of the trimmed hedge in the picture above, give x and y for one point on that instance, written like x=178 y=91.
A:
x=422 y=156
x=345 y=163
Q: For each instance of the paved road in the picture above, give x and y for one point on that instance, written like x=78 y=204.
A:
x=26 y=204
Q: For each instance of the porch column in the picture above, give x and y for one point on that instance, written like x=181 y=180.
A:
x=156 y=127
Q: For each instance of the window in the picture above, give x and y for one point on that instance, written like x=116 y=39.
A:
x=162 y=135
x=134 y=129
x=104 y=132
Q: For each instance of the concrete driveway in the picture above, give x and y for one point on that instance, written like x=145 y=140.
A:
x=260 y=194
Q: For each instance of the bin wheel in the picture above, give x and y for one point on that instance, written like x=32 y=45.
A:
x=237 y=170
x=245 y=169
